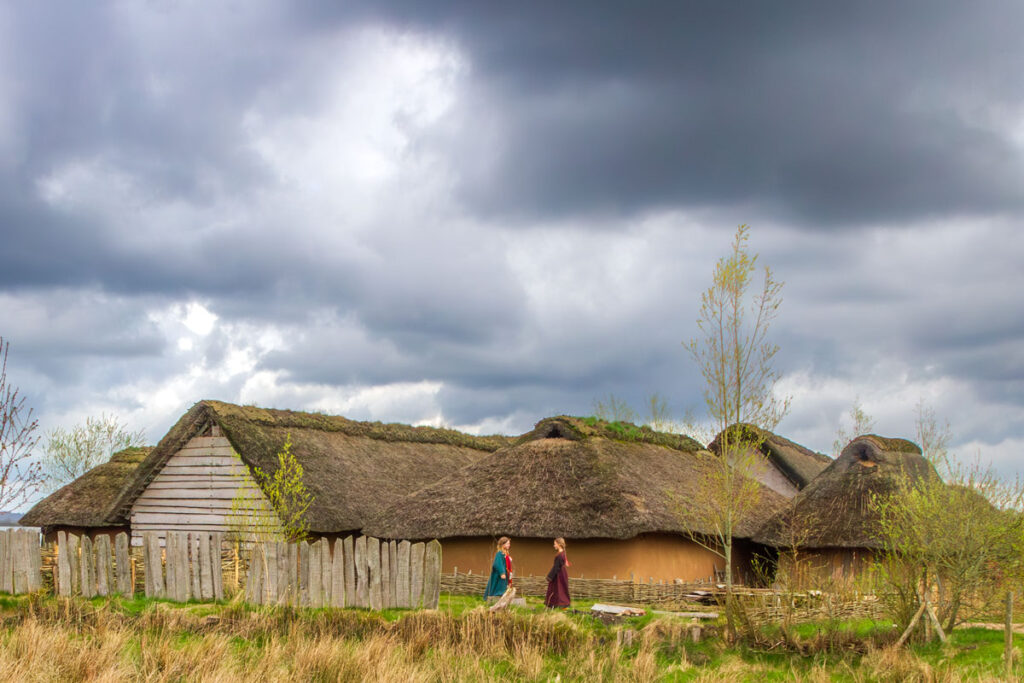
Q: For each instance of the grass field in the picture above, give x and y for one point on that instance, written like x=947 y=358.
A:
x=49 y=639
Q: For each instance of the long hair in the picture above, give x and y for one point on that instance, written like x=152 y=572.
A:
x=502 y=541
x=561 y=543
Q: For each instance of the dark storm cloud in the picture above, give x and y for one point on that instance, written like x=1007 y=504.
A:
x=829 y=114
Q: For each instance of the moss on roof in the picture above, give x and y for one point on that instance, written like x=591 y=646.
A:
x=798 y=464
x=351 y=468
x=90 y=500
x=567 y=477
x=836 y=510
x=578 y=428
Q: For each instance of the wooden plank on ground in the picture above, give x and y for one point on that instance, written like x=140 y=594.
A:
x=416 y=574
x=338 y=574
x=350 y=571
x=385 y=575
x=362 y=589
x=373 y=571
x=432 y=575
x=122 y=566
x=404 y=579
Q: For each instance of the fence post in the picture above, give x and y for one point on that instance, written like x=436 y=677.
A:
x=196 y=566
x=325 y=571
x=393 y=552
x=281 y=588
x=217 y=565
x=416 y=574
x=316 y=582
x=362 y=590
x=88 y=568
x=303 y=583
x=122 y=566
x=18 y=561
x=373 y=571
x=73 y=561
x=63 y=582
x=338 y=575
x=152 y=565
x=386 y=599
x=170 y=543
x=205 y=569
x=403 y=574
x=350 y=572
x=6 y=556
x=432 y=575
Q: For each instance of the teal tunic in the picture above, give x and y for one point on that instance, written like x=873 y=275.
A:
x=497 y=585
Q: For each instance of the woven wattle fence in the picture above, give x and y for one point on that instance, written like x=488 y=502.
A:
x=604 y=590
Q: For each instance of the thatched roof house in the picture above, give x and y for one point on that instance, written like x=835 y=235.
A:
x=786 y=467
x=834 y=514
x=89 y=502
x=191 y=478
x=623 y=495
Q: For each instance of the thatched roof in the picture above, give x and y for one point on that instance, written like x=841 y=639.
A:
x=351 y=468
x=835 y=510
x=90 y=500
x=798 y=464
x=568 y=477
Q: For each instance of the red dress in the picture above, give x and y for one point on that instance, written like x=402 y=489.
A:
x=558 y=583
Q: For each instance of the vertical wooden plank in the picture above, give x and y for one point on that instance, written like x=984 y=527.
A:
x=6 y=563
x=325 y=572
x=404 y=578
x=362 y=589
x=217 y=567
x=35 y=562
x=87 y=566
x=147 y=574
x=281 y=585
x=373 y=571
x=171 y=567
x=18 y=561
x=102 y=548
x=293 y=574
x=385 y=576
x=350 y=571
x=196 y=565
x=416 y=574
x=270 y=569
x=432 y=575
x=314 y=591
x=254 y=585
x=73 y=562
x=63 y=581
x=123 y=566
x=182 y=570
x=304 y=573
x=338 y=574
x=393 y=552
x=205 y=567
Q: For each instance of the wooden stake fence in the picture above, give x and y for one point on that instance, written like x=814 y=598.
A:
x=20 y=561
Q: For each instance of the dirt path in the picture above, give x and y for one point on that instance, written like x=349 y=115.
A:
x=1017 y=628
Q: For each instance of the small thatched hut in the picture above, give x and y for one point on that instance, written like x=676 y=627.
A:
x=624 y=497
x=833 y=521
x=89 y=503
x=785 y=467
x=191 y=480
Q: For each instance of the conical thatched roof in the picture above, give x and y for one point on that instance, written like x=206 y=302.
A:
x=835 y=510
x=798 y=464
x=351 y=468
x=568 y=477
x=90 y=500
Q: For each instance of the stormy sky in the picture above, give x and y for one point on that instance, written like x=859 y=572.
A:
x=479 y=214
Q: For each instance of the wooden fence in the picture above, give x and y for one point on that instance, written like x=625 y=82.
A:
x=20 y=561
x=346 y=572
x=189 y=568
x=90 y=567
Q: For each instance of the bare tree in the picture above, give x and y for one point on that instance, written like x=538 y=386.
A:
x=20 y=477
x=862 y=424
x=614 y=409
x=735 y=359
x=70 y=453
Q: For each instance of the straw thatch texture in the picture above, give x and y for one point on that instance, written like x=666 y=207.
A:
x=552 y=484
x=799 y=465
x=91 y=500
x=351 y=468
x=835 y=510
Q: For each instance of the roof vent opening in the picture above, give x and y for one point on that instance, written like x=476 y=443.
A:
x=863 y=455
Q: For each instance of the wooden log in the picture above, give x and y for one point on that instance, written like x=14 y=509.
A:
x=338 y=574
x=63 y=582
x=35 y=562
x=362 y=589
x=325 y=571
x=293 y=574
x=504 y=601
x=404 y=577
x=217 y=568
x=432 y=575
x=122 y=566
x=205 y=567
x=315 y=590
x=393 y=553
x=350 y=571
x=304 y=573
x=373 y=572
x=73 y=562
x=385 y=576
x=104 y=569
x=416 y=574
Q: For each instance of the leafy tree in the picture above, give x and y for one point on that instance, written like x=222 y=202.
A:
x=862 y=423
x=70 y=453
x=289 y=500
x=20 y=477
x=735 y=360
